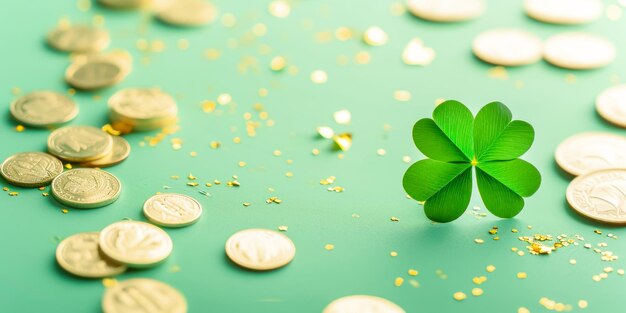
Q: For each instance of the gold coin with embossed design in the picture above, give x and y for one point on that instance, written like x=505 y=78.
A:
x=142 y=295
x=43 y=109
x=79 y=255
x=361 y=304
x=136 y=244
x=172 y=210
x=86 y=188
x=186 y=12
x=260 y=249
x=31 y=169
x=600 y=195
x=79 y=38
x=143 y=109
x=98 y=71
x=79 y=143
x=587 y=152
x=119 y=153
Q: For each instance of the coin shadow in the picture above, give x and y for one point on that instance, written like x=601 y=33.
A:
x=583 y=220
x=565 y=175
x=235 y=266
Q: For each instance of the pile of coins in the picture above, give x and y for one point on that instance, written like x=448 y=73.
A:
x=142 y=109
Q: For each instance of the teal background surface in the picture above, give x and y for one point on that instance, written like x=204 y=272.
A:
x=30 y=280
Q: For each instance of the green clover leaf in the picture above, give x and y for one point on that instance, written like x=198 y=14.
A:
x=455 y=142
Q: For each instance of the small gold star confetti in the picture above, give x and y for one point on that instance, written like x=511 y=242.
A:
x=329 y=247
x=398 y=281
x=283 y=228
x=325 y=132
x=375 y=36
x=477 y=292
x=459 y=296
x=342 y=117
x=415 y=53
x=319 y=77
x=521 y=275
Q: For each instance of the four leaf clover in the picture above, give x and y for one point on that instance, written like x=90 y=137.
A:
x=455 y=142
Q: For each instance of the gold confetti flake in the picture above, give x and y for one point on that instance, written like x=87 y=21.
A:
x=64 y=210
x=521 y=275
x=375 y=36
x=343 y=141
x=402 y=95
x=398 y=281
x=597 y=231
x=289 y=174
x=490 y=268
x=315 y=152
x=479 y=241
x=477 y=292
x=215 y=144
x=279 y=8
x=343 y=33
x=45 y=194
x=19 y=128
x=414 y=283
x=212 y=54
x=416 y=53
x=459 y=296
x=362 y=57
x=109 y=282
x=191 y=177
x=342 y=117
x=329 y=247
x=224 y=99
x=241 y=164
x=319 y=77
x=328 y=181
x=14 y=193
x=192 y=184
x=278 y=64
x=283 y=228
x=582 y=304
x=498 y=72
x=336 y=189
x=246 y=204
x=237 y=140
x=110 y=130
x=277 y=153
x=381 y=152
x=620 y=272
x=157 y=45
x=229 y=20
x=275 y=200
x=393 y=253
x=478 y=280
x=613 y=12
x=326 y=132
x=572 y=261
x=523 y=310
x=183 y=44
x=394 y=219
x=406 y=159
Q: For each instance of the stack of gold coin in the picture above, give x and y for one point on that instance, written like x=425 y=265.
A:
x=43 y=109
x=80 y=255
x=88 y=146
x=142 y=109
x=91 y=72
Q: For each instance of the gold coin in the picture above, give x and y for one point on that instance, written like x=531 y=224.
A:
x=446 y=10
x=43 y=109
x=95 y=72
x=587 y=152
x=142 y=104
x=143 y=295
x=125 y=4
x=187 y=12
x=79 y=255
x=260 y=249
x=578 y=51
x=564 y=11
x=136 y=244
x=172 y=210
x=31 y=169
x=86 y=188
x=611 y=105
x=599 y=195
x=79 y=143
x=362 y=303
x=507 y=47
x=79 y=38
x=119 y=153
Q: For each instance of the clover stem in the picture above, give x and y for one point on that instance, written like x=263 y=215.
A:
x=474 y=162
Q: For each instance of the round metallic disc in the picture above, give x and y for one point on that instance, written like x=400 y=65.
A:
x=600 y=195
x=587 y=152
x=86 y=188
x=119 y=153
x=578 y=51
x=125 y=4
x=142 y=105
x=95 y=72
x=43 y=109
x=446 y=10
x=187 y=12
x=136 y=244
x=79 y=255
x=79 y=143
x=611 y=105
x=79 y=38
x=564 y=11
x=260 y=249
x=31 y=169
x=362 y=303
x=507 y=47
x=141 y=295
x=172 y=210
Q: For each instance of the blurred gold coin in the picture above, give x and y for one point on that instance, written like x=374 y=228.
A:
x=86 y=188
x=136 y=244
x=361 y=304
x=599 y=195
x=43 y=109
x=143 y=295
x=143 y=109
x=507 y=47
x=79 y=143
x=611 y=105
x=186 y=12
x=172 y=210
x=564 y=11
x=126 y=4
x=31 y=169
x=578 y=51
x=446 y=10
x=96 y=71
x=260 y=249
x=588 y=152
x=79 y=38
x=79 y=255
x=119 y=153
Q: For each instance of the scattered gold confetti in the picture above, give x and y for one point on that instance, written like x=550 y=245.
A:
x=278 y=64
x=319 y=77
x=326 y=132
x=459 y=296
x=329 y=247
x=479 y=241
x=498 y=72
x=582 y=304
x=620 y=272
x=398 y=281
x=381 y=152
x=280 y=8
x=342 y=117
x=613 y=12
x=393 y=253
x=224 y=99
x=192 y=184
x=413 y=272
x=406 y=159
x=479 y=280
x=241 y=163
x=191 y=177
x=402 y=95
x=343 y=141
x=521 y=275
x=246 y=204
x=19 y=128
x=415 y=53
x=283 y=228
x=336 y=189
x=289 y=174
x=328 y=181
x=477 y=292
x=64 y=210
x=343 y=33
x=394 y=219
x=490 y=268
x=273 y=200
x=315 y=152
x=414 y=283
x=109 y=282
x=14 y=193
x=215 y=144
x=523 y=310
x=375 y=36
x=572 y=261
x=363 y=57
